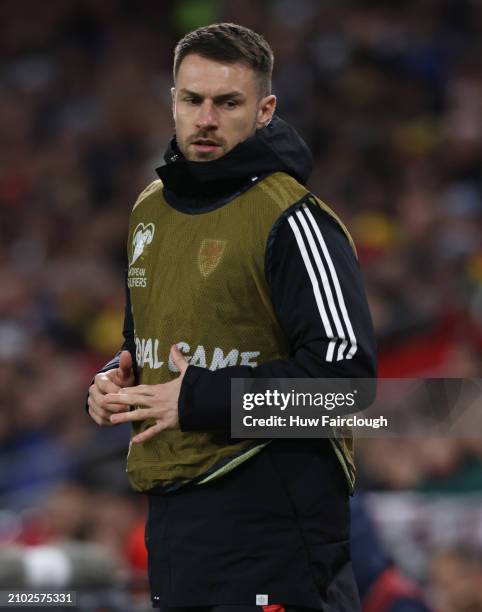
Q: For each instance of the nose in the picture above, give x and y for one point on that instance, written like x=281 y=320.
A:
x=207 y=116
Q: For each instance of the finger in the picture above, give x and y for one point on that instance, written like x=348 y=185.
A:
x=148 y=434
x=122 y=383
x=139 y=414
x=95 y=393
x=94 y=417
x=98 y=415
x=140 y=390
x=103 y=414
x=113 y=408
x=124 y=371
x=178 y=359
x=128 y=399
x=105 y=383
x=99 y=400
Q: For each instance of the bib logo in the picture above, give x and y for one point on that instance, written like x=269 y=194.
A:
x=148 y=355
x=143 y=235
x=210 y=254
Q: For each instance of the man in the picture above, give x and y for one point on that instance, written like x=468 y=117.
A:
x=235 y=270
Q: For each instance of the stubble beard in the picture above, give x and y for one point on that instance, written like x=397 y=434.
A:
x=208 y=155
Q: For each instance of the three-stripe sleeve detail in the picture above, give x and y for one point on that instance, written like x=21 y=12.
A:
x=325 y=283
x=316 y=288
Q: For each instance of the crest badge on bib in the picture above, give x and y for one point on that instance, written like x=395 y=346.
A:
x=210 y=254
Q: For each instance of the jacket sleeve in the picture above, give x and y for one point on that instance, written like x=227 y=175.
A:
x=127 y=345
x=128 y=334
x=319 y=300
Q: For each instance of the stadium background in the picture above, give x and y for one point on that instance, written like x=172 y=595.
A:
x=389 y=97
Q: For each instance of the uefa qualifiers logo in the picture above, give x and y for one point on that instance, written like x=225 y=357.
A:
x=143 y=236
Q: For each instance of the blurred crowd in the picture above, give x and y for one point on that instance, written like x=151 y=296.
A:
x=388 y=95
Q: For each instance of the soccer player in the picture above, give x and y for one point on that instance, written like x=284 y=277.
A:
x=235 y=270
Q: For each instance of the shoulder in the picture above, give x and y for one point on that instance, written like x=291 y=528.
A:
x=153 y=189
x=282 y=190
x=300 y=208
x=326 y=216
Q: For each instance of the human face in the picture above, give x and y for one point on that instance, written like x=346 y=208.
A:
x=216 y=106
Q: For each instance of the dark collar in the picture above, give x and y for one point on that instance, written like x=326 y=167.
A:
x=274 y=148
x=214 y=179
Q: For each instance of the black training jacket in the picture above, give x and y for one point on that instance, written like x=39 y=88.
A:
x=200 y=186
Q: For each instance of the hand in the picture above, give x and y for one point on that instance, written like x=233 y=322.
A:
x=159 y=402
x=110 y=382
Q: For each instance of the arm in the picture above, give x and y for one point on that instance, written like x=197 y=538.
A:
x=318 y=297
x=128 y=334
x=118 y=373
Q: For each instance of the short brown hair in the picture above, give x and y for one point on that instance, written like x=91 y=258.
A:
x=229 y=43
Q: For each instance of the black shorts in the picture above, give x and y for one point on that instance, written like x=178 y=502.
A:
x=277 y=525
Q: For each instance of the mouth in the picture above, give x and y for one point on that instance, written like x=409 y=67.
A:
x=205 y=145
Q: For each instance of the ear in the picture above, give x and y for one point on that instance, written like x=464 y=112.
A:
x=173 y=100
x=266 y=108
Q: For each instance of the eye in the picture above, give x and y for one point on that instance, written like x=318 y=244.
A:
x=191 y=100
x=230 y=104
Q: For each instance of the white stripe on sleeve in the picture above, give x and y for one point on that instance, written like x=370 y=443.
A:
x=325 y=284
x=336 y=283
x=316 y=289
